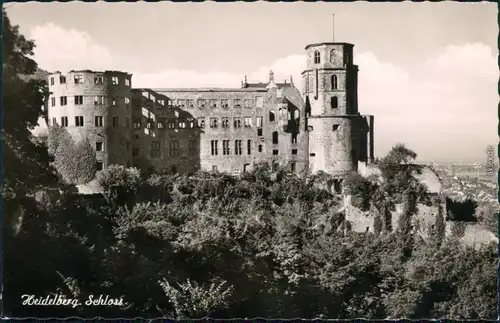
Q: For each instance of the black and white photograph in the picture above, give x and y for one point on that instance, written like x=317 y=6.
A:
x=273 y=160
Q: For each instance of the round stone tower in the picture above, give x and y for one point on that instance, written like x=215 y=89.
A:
x=95 y=106
x=330 y=92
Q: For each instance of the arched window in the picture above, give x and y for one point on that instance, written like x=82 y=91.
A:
x=334 y=102
x=334 y=82
x=275 y=138
x=332 y=56
x=272 y=116
x=317 y=59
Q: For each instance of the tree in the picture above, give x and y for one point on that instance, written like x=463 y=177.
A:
x=86 y=162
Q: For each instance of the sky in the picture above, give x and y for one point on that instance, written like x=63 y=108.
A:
x=427 y=71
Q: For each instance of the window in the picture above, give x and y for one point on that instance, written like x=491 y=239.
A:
x=62 y=79
x=275 y=137
x=137 y=125
x=275 y=152
x=115 y=122
x=160 y=123
x=292 y=166
x=63 y=100
x=54 y=121
x=213 y=122
x=190 y=122
x=171 y=123
x=275 y=166
x=225 y=147
x=99 y=146
x=192 y=147
x=113 y=101
x=180 y=103
x=79 y=121
x=237 y=103
x=214 y=169
x=135 y=152
x=78 y=99
x=259 y=102
x=114 y=80
x=160 y=103
x=249 y=147
x=332 y=56
x=99 y=100
x=259 y=132
x=224 y=103
x=155 y=149
x=248 y=122
x=100 y=166
x=272 y=116
x=237 y=147
x=98 y=121
x=294 y=138
x=213 y=103
x=225 y=122
x=215 y=149
x=182 y=124
x=246 y=167
x=127 y=82
x=259 y=122
x=260 y=148
x=237 y=122
x=78 y=79
x=294 y=151
x=247 y=103
x=127 y=122
x=190 y=103
x=52 y=81
x=312 y=154
x=201 y=103
x=201 y=123
x=333 y=82
x=150 y=124
x=317 y=59
x=53 y=101
x=334 y=103
x=64 y=121
x=174 y=148
x=127 y=101
x=99 y=80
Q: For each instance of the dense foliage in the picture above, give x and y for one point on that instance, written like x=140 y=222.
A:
x=268 y=244
x=75 y=161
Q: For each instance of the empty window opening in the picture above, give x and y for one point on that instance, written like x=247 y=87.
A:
x=294 y=151
x=317 y=59
x=312 y=154
x=79 y=121
x=100 y=166
x=334 y=102
x=272 y=116
x=259 y=132
x=275 y=152
x=292 y=167
x=275 y=138
x=260 y=148
x=294 y=138
x=334 y=82
x=99 y=146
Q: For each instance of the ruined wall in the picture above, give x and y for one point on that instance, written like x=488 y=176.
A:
x=253 y=104
x=89 y=95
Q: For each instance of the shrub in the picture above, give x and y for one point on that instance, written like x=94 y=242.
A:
x=86 y=162
x=118 y=179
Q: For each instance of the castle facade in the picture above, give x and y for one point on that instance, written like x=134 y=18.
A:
x=222 y=129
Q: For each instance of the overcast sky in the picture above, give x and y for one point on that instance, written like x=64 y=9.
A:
x=428 y=71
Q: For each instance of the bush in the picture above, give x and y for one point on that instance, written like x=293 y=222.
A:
x=117 y=179
x=86 y=162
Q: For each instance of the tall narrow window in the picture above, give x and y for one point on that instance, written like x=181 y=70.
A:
x=237 y=147
x=334 y=82
x=259 y=122
x=249 y=147
x=64 y=100
x=192 y=147
x=275 y=137
x=79 y=99
x=174 y=148
x=215 y=149
x=98 y=121
x=317 y=59
x=294 y=138
x=79 y=121
x=64 y=121
x=332 y=56
x=225 y=147
x=155 y=149
x=272 y=116
x=334 y=102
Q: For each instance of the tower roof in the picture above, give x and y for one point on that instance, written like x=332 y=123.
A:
x=329 y=44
